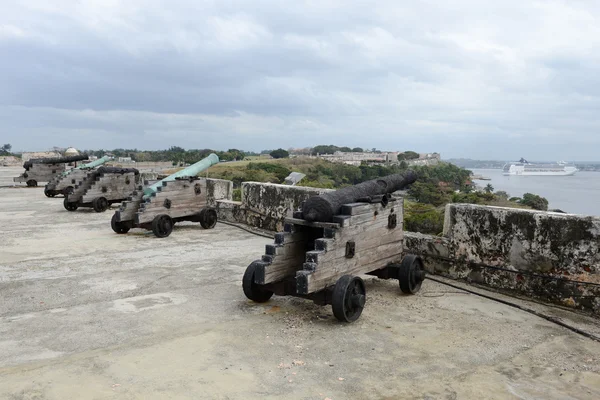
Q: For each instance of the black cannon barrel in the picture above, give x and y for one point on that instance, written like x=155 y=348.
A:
x=324 y=207
x=116 y=170
x=54 y=160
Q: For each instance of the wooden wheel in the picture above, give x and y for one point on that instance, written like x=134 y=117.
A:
x=100 y=204
x=68 y=190
x=49 y=193
x=69 y=206
x=348 y=298
x=253 y=291
x=208 y=218
x=118 y=226
x=162 y=225
x=31 y=183
x=411 y=274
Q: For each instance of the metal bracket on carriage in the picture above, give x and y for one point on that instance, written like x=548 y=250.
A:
x=392 y=221
x=350 y=249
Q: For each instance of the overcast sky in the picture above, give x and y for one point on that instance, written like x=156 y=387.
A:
x=467 y=78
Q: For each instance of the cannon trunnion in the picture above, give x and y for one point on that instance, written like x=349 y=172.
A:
x=321 y=261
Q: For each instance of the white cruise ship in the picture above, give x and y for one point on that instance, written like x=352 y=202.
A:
x=528 y=169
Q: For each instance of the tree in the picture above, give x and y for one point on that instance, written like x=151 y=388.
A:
x=6 y=148
x=357 y=150
x=325 y=149
x=534 y=201
x=428 y=193
x=280 y=153
x=408 y=155
x=489 y=188
x=237 y=154
x=502 y=194
x=423 y=218
x=177 y=149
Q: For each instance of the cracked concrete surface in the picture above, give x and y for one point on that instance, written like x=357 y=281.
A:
x=88 y=314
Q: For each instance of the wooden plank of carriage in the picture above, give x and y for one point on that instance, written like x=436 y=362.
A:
x=353 y=231
x=71 y=179
x=368 y=235
x=336 y=250
x=129 y=208
x=288 y=258
x=177 y=197
x=157 y=208
x=186 y=210
x=80 y=189
x=41 y=175
x=363 y=225
x=373 y=240
x=115 y=185
x=173 y=186
x=321 y=278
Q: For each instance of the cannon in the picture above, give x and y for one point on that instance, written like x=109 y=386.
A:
x=102 y=187
x=336 y=237
x=181 y=196
x=44 y=169
x=65 y=182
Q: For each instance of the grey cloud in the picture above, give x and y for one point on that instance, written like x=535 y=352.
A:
x=466 y=80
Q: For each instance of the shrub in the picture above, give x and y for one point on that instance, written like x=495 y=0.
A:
x=534 y=201
x=279 y=153
x=423 y=218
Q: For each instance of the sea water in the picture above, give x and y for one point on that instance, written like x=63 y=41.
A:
x=576 y=194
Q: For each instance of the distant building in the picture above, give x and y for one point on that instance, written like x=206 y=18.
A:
x=71 y=151
x=384 y=157
x=358 y=158
x=426 y=159
x=124 y=160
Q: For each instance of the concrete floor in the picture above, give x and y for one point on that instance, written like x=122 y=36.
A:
x=88 y=314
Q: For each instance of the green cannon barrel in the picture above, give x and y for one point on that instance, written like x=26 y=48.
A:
x=96 y=163
x=192 y=170
x=91 y=165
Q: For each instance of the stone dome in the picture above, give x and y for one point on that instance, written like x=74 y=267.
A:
x=71 y=152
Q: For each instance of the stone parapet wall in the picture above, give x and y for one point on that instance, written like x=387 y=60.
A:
x=218 y=189
x=265 y=205
x=555 y=257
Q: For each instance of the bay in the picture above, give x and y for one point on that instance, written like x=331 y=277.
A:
x=577 y=194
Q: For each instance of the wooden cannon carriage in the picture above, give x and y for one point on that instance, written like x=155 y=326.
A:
x=100 y=188
x=183 y=199
x=321 y=261
x=65 y=182
x=179 y=197
x=45 y=169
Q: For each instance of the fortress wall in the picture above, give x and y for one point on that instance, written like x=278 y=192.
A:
x=551 y=256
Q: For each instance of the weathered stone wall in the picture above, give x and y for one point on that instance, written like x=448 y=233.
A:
x=265 y=205
x=552 y=256
x=218 y=189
